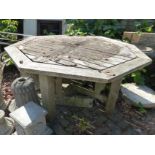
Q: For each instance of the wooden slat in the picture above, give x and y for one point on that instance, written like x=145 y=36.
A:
x=48 y=46
x=114 y=60
x=125 y=68
x=79 y=57
x=88 y=92
x=82 y=63
x=92 y=61
x=53 y=70
x=106 y=75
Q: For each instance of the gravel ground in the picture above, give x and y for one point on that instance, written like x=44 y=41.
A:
x=126 y=120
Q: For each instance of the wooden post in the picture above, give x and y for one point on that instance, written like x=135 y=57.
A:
x=58 y=87
x=47 y=88
x=113 y=95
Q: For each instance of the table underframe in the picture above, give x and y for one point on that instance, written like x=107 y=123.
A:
x=51 y=91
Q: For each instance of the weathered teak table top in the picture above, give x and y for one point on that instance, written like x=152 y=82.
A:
x=90 y=58
x=97 y=59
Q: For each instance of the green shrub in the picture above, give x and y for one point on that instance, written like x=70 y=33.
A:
x=101 y=27
x=8 y=25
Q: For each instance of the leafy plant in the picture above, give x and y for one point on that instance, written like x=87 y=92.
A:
x=103 y=27
x=6 y=59
x=143 y=26
x=141 y=108
x=8 y=25
x=138 y=77
x=82 y=124
x=112 y=28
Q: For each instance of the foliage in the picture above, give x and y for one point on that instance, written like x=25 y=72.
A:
x=102 y=27
x=8 y=25
x=82 y=124
x=138 y=77
x=143 y=26
x=141 y=108
x=6 y=59
x=110 y=28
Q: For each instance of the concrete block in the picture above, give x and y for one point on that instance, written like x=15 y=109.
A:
x=138 y=95
x=30 y=120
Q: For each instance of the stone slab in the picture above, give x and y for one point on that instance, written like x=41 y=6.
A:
x=27 y=114
x=46 y=131
x=138 y=95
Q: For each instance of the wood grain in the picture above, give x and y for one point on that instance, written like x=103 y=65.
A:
x=76 y=57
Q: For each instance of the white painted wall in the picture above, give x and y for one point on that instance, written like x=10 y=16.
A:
x=30 y=26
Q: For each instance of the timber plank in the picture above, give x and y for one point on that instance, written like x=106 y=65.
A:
x=89 y=66
x=47 y=88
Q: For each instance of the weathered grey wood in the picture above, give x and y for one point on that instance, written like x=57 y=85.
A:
x=47 y=88
x=87 y=92
x=116 y=71
x=98 y=88
x=77 y=101
x=113 y=95
x=102 y=69
x=68 y=72
x=58 y=87
x=25 y=64
x=60 y=49
x=90 y=58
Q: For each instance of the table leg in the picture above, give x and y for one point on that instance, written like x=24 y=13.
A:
x=113 y=95
x=47 y=88
x=59 y=92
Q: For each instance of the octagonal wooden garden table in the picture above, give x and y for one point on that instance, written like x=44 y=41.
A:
x=91 y=58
